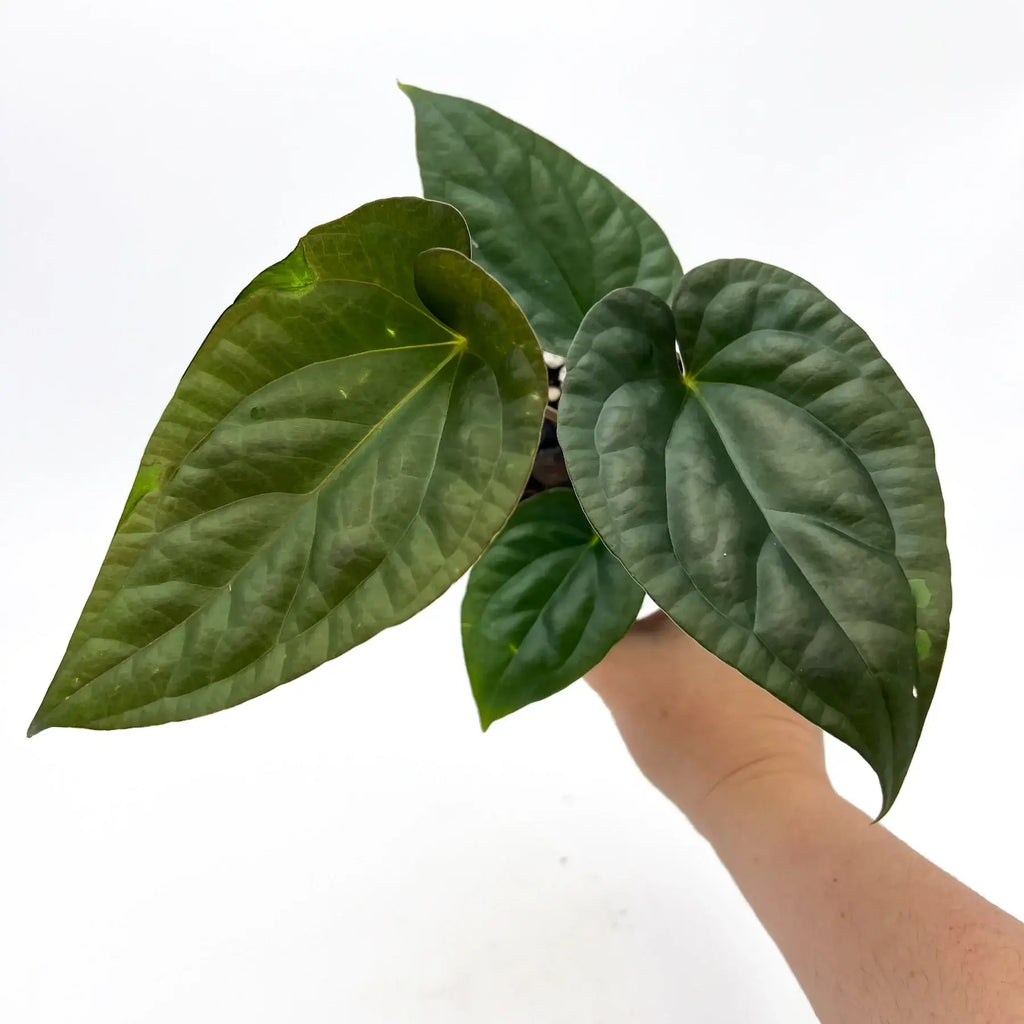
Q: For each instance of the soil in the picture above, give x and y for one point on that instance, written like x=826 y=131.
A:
x=549 y=465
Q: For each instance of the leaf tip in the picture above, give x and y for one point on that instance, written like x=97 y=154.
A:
x=489 y=715
x=890 y=790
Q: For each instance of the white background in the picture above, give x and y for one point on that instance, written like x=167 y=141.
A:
x=349 y=848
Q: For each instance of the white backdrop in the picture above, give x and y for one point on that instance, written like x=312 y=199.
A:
x=349 y=848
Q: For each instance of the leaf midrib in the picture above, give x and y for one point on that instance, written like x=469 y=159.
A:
x=563 y=582
x=695 y=395
x=458 y=349
x=521 y=217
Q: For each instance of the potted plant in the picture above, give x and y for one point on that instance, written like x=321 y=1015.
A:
x=514 y=377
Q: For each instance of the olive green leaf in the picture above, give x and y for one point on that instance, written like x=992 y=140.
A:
x=558 y=235
x=348 y=439
x=544 y=605
x=777 y=498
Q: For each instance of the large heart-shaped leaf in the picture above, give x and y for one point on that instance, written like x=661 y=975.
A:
x=350 y=436
x=544 y=605
x=778 y=498
x=558 y=235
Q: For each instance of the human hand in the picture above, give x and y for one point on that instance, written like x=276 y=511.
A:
x=698 y=729
x=859 y=916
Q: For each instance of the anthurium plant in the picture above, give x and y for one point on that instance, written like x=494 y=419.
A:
x=514 y=377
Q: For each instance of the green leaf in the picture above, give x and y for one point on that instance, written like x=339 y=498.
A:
x=544 y=605
x=778 y=500
x=558 y=235
x=348 y=439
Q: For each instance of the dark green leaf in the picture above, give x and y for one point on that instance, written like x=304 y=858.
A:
x=350 y=436
x=544 y=605
x=555 y=233
x=779 y=500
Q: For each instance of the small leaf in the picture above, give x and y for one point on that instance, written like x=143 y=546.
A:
x=348 y=439
x=778 y=499
x=544 y=605
x=558 y=235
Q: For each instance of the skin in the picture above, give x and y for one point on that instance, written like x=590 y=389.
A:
x=873 y=931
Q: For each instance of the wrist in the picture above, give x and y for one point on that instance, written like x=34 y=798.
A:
x=770 y=790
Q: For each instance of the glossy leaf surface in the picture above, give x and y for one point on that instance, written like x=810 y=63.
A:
x=779 y=500
x=558 y=235
x=543 y=606
x=350 y=436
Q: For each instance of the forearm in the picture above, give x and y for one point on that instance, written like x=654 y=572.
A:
x=872 y=930
x=874 y=933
